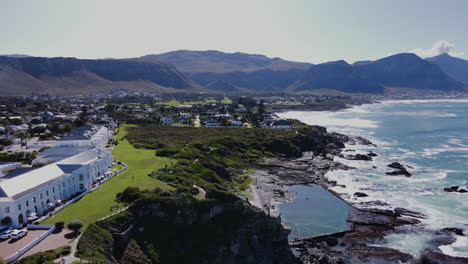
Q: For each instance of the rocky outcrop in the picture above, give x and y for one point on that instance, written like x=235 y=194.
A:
x=399 y=170
x=455 y=189
x=434 y=257
x=356 y=157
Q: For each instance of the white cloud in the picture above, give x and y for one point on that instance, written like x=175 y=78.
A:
x=441 y=46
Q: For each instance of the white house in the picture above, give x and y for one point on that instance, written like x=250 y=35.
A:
x=26 y=193
x=167 y=120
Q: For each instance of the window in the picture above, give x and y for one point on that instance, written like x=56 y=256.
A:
x=53 y=190
x=27 y=203
x=7 y=209
x=47 y=193
x=81 y=177
x=63 y=184
x=34 y=199
x=40 y=195
x=81 y=186
x=19 y=206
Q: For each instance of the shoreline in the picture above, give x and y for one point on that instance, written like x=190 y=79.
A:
x=369 y=225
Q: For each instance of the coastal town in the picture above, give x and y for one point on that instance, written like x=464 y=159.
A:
x=56 y=150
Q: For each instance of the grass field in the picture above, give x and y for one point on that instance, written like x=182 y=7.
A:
x=98 y=204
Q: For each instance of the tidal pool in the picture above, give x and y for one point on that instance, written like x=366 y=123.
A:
x=313 y=211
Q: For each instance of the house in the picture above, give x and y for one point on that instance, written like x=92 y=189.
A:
x=236 y=123
x=167 y=120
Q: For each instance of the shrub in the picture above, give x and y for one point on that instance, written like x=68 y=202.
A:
x=59 y=225
x=166 y=152
x=6 y=221
x=129 y=195
x=5 y=141
x=75 y=225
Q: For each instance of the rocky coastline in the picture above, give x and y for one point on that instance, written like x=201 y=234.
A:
x=369 y=225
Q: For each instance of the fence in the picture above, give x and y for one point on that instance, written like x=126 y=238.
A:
x=36 y=241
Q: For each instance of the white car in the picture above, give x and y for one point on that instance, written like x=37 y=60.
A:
x=17 y=234
x=6 y=234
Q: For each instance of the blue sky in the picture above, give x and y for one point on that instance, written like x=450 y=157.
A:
x=308 y=30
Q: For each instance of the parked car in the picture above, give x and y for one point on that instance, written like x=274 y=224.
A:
x=17 y=234
x=6 y=234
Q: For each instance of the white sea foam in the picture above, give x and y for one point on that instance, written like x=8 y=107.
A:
x=458 y=248
x=329 y=119
x=423 y=191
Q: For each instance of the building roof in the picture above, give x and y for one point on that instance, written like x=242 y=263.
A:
x=30 y=181
x=23 y=181
x=73 y=138
x=17 y=172
x=83 y=158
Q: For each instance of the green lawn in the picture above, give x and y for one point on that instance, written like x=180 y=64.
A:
x=98 y=204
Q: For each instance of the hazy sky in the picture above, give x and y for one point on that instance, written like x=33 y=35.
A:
x=308 y=30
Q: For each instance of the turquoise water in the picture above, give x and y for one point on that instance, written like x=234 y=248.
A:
x=429 y=136
x=314 y=211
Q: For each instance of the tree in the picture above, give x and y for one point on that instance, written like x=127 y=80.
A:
x=59 y=225
x=75 y=225
x=23 y=135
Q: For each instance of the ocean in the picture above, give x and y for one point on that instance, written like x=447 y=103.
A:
x=431 y=136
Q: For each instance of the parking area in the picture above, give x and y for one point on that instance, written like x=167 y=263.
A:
x=53 y=241
x=9 y=247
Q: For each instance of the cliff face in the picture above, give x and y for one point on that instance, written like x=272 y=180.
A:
x=188 y=231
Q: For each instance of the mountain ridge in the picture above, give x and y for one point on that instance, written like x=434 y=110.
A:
x=404 y=70
x=62 y=75
x=455 y=67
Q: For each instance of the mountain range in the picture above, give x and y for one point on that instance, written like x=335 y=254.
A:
x=215 y=71
x=70 y=76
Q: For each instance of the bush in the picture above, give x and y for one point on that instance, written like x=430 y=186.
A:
x=59 y=225
x=6 y=221
x=5 y=141
x=75 y=225
x=166 y=152
x=129 y=195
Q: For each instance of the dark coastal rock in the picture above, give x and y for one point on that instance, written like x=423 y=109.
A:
x=374 y=203
x=400 y=170
x=375 y=254
x=402 y=211
x=370 y=218
x=432 y=257
x=372 y=154
x=455 y=188
x=331 y=241
x=455 y=230
x=357 y=157
x=360 y=194
x=396 y=165
x=407 y=221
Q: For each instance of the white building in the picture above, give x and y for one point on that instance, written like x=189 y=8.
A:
x=93 y=136
x=167 y=120
x=26 y=193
